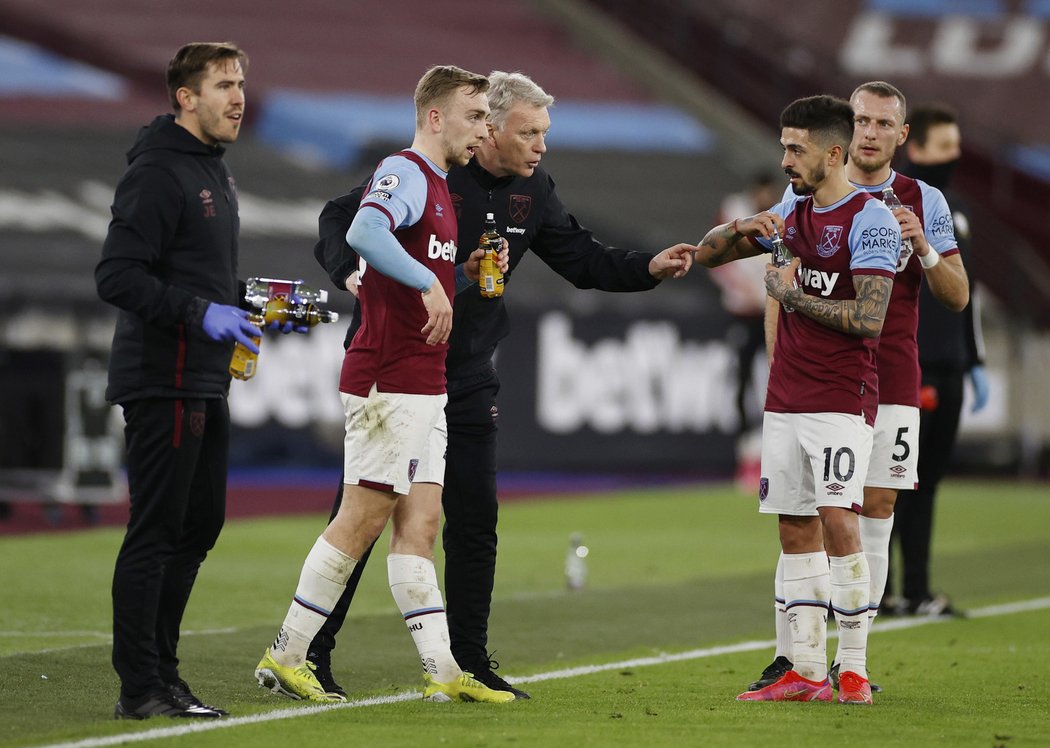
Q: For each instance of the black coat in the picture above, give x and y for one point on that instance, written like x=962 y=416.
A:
x=530 y=216
x=951 y=341
x=170 y=251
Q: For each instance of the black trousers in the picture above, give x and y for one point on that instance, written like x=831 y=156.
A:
x=913 y=513
x=176 y=458
x=471 y=512
x=747 y=336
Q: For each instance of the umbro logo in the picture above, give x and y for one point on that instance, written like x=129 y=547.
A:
x=898 y=469
x=834 y=489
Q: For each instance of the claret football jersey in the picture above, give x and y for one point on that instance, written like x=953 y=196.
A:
x=389 y=350
x=898 y=353
x=817 y=369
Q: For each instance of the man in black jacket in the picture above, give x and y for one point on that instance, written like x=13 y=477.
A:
x=504 y=178
x=169 y=263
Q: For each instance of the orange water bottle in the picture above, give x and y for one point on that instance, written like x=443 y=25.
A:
x=245 y=362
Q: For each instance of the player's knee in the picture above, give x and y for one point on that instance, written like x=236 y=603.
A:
x=879 y=502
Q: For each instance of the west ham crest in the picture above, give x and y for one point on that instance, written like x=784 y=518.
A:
x=520 y=205
x=197 y=424
x=829 y=241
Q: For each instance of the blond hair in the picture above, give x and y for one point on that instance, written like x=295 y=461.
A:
x=440 y=83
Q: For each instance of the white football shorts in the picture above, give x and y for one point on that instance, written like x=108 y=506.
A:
x=811 y=460
x=394 y=440
x=894 y=459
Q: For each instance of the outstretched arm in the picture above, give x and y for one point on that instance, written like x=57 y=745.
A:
x=673 y=262
x=729 y=241
x=861 y=316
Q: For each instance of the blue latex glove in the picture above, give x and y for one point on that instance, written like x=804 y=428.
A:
x=288 y=327
x=979 y=380
x=223 y=322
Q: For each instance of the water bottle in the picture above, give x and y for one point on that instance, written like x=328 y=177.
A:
x=279 y=301
x=303 y=314
x=781 y=254
x=576 y=563
x=491 y=279
x=781 y=257
x=893 y=202
x=244 y=363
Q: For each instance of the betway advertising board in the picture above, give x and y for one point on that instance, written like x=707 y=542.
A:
x=605 y=391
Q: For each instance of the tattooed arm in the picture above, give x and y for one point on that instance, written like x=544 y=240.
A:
x=728 y=241
x=861 y=316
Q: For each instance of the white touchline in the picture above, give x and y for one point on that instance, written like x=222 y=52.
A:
x=52 y=634
x=104 y=636
x=109 y=634
x=1040 y=603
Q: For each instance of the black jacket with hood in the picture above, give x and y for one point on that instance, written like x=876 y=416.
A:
x=170 y=251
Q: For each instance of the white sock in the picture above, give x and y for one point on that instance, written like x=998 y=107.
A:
x=780 y=613
x=321 y=582
x=807 y=590
x=413 y=583
x=850 y=589
x=875 y=540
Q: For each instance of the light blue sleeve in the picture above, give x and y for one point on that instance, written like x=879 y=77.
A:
x=371 y=238
x=939 y=228
x=783 y=209
x=875 y=239
x=399 y=189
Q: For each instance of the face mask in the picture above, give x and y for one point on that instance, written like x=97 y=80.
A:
x=935 y=175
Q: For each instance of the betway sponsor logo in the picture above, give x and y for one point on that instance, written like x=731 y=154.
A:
x=444 y=251
x=647 y=381
x=821 y=282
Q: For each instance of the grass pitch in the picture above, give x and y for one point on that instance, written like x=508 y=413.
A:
x=671 y=571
